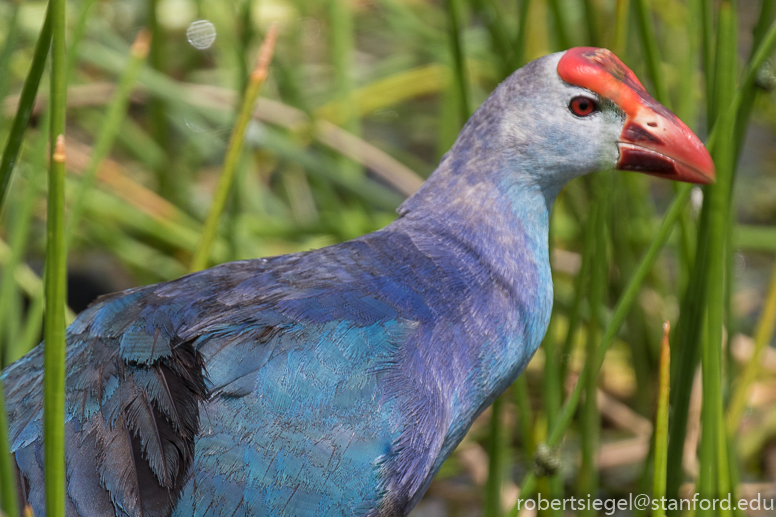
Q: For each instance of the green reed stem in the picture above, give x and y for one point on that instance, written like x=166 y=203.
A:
x=26 y=104
x=519 y=44
x=651 y=51
x=624 y=304
x=553 y=397
x=591 y=21
x=7 y=474
x=20 y=234
x=707 y=40
x=524 y=413
x=502 y=46
x=620 y=34
x=77 y=32
x=661 y=422
x=224 y=187
x=714 y=458
x=760 y=35
x=589 y=418
x=763 y=335
x=563 y=39
x=580 y=289
x=342 y=52
x=156 y=105
x=116 y=113
x=457 y=53
x=693 y=305
x=56 y=271
x=10 y=155
x=7 y=52
x=495 y=461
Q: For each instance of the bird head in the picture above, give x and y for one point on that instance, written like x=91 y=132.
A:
x=559 y=117
x=652 y=139
x=581 y=111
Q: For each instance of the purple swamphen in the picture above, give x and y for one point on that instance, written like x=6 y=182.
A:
x=336 y=382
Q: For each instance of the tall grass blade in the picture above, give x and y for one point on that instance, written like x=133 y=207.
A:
x=714 y=480
x=258 y=76
x=156 y=106
x=460 y=75
x=562 y=37
x=342 y=51
x=528 y=484
x=116 y=113
x=620 y=34
x=56 y=271
x=77 y=33
x=495 y=461
x=490 y=13
x=694 y=302
x=590 y=420
x=763 y=335
x=661 y=422
x=519 y=45
x=26 y=103
x=7 y=51
x=651 y=51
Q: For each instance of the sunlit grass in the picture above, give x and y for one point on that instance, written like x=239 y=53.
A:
x=362 y=100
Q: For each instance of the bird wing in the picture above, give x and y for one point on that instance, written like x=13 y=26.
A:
x=269 y=360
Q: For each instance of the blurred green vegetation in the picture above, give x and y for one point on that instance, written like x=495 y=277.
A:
x=363 y=98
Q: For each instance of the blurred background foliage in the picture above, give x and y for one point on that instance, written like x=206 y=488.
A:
x=363 y=98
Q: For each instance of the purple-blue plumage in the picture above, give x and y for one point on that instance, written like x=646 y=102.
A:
x=333 y=382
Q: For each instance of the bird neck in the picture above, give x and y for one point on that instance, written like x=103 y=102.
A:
x=488 y=201
x=488 y=230
x=494 y=224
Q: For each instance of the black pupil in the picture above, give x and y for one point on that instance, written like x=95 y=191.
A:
x=583 y=105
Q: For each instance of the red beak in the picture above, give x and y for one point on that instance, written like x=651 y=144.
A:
x=653 y=139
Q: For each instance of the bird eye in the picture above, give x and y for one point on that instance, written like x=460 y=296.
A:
x=583 y=106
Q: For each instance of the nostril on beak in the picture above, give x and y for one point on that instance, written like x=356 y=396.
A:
x=652 y=124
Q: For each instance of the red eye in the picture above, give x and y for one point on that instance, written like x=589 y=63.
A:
x=582 y=106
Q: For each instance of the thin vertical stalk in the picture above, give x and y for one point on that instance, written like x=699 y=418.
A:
x=591 y=21
x=651 y=51
x=117 y=110
x=55 y=281
x=714 y=480
x=590 y=418
x=156 y=106
x=19 y=236
x=7 y=475
x=762 y=336
x=258 y=76
x=524 y=413
x=495 y=462
x=620 y=35
x=563 y=40
x=661 y=422
x=707 y=40
x=26 y=103
x=767 y=15
x=30 y=335
x=244 y=41
x=624 y=304
x=341 y=34
x=78 y=31
x=500 y=41
x=459 y=63
x=580 y=289
x=8 y=48
x=519 y=44
x=553 y=397
x=694 y=302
